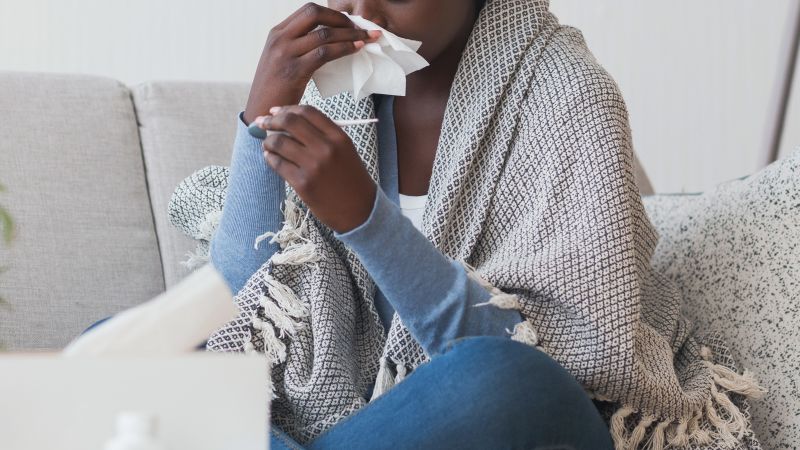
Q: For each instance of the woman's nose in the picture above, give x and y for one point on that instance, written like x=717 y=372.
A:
x=368 y=10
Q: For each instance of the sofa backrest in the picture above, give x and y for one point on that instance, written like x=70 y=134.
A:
x=90 y=166
x=85 y=243
x=184 y=127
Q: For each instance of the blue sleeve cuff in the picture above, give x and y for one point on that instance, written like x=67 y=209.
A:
x=371 y=226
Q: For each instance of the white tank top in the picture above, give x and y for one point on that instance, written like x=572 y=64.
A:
x=412 y=207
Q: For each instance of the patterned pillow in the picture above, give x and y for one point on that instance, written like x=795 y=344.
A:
x=735 y=252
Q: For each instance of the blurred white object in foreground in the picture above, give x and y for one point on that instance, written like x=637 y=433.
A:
x=203 y=400
x=173 y=323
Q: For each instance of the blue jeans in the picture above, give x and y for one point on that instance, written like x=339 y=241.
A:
x=481 y=393
x=199 y=346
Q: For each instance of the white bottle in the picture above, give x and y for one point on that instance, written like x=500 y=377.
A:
x=135 y=431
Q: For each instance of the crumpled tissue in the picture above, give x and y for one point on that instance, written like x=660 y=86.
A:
x=379 y=67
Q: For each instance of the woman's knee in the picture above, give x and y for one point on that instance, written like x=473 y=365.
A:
x=501 y=357
x=537 y=398
x=516 y=374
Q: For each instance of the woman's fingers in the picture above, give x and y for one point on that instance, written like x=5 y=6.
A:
x=326 y=128
x=312 y=15
x=299 y=128
x=285 y=168
x=326 y=53
x=281 y=144
x=327 y=35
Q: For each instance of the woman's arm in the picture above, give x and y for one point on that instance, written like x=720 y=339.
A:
x=252 y=207
x=432 y=294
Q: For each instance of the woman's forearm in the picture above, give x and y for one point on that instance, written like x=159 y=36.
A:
x=252 y=207
x=431 y=293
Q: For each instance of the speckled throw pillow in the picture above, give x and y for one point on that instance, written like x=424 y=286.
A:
x=735 y=252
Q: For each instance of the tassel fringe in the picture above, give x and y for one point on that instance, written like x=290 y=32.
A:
x=658 y=438
x=196 y=259
x=618 y=431
x=524 y=331
x=205 y=231
x=499 y=298
x=279 y=314
x=727 y=428
x=639 y=433
x=294 y=230
x=402 y=371
x=680 y=435
x=384 y=381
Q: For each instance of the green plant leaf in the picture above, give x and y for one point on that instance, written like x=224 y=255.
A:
x=6 y=222
x=6 y=225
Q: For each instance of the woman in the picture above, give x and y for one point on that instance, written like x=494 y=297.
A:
x=377 y=330
x=341 y=193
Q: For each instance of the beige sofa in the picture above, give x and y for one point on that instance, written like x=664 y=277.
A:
x=90 y=165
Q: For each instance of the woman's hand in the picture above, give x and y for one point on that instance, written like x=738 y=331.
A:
x=308 y=39
x=317 y=158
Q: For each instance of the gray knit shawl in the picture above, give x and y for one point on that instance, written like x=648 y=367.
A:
x=533 y=190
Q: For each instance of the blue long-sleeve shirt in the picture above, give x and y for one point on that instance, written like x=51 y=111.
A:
x=431 y=293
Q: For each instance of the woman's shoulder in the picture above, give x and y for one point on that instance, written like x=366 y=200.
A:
x=567 y=70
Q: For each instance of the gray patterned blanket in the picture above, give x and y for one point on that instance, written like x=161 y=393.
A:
x=533 y=190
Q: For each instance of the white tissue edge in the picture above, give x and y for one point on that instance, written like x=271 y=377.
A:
x=380 y=67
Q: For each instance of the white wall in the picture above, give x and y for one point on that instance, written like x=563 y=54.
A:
x=791 y=131
x=791 y=136
x=699 y=76
x=138 y=40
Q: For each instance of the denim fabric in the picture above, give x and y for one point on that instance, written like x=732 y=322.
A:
x=483 y=392
x=201 y=346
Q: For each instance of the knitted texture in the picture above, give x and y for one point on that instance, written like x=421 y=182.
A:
x=533 y=190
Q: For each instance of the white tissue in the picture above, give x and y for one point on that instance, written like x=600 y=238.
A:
x=378 y=68
x=173 y=323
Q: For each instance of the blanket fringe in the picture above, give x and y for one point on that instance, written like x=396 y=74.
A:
x=282 y=311
x=523 y=331
x=294 y=229
x=729 y=424
x=384 y=380
x=195 y=259
x=698 y=434
x=499 y=298
x=205 y=232
x=658 y=437
x=639 y=433
x=679 y=437
x=402 y=371
x=619 y=434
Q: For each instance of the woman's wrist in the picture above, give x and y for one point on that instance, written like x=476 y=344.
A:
x=362 y=221
x=262 y=99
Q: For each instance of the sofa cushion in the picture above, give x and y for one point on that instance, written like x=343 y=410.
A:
x=86 y=246
x=184 y=126
x=735 y=253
